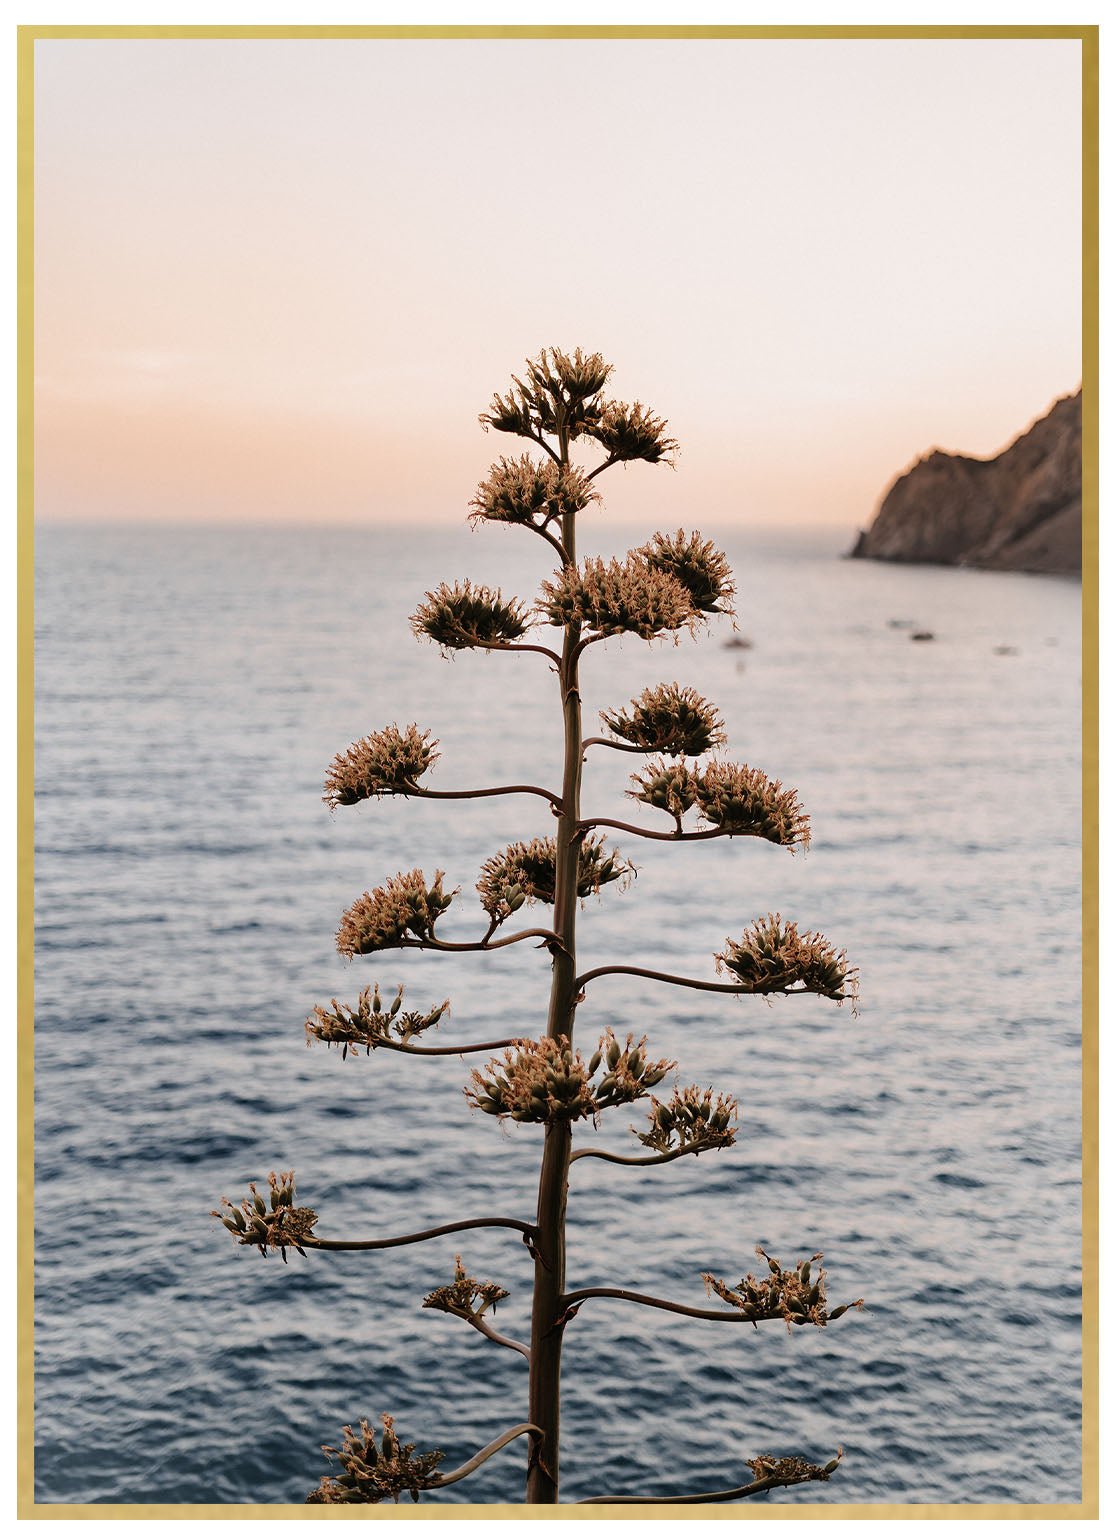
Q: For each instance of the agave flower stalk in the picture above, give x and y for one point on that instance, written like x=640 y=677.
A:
x=541 y=1084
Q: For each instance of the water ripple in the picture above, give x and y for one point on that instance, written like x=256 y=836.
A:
x=189 y=883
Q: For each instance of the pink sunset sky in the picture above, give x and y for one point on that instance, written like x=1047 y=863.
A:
x=277 y=280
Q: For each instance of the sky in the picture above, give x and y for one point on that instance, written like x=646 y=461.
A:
x=278 y=280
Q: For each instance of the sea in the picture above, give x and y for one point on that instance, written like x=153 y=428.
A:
x=193 y=685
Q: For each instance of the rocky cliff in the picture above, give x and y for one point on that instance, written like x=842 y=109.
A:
x=1019 y=511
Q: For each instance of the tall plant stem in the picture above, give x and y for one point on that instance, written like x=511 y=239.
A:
x=553 y=1183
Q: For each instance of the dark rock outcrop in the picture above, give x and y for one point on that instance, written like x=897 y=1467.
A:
x=1018 y=512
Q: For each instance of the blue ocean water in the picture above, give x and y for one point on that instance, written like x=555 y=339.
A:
x=192 y=686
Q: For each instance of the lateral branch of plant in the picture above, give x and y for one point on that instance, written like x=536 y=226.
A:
x=673 y=583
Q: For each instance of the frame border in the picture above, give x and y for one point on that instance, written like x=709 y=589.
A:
x=27 y=1507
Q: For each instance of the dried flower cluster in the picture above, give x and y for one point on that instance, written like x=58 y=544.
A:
x=610 y=597
x=548 y=1081
x=527 y=491
x=774 y=957
x=791 y=1469
x=388 y=761
x=632 y=433
x=692 y=1120
x=668 y=719
x=271 y=1225
x=667 y=784
x=369 y=1025
x=733 y=798
x=741 y=800
x=568 y=377
x=465 y=1296
x=519 y=412
x=796 y=1295
x=698 y=565
x=558 y=393
x=469 y=615
x=403 y=907
x=561 y=394
x=370 y=1474
x=525 y=871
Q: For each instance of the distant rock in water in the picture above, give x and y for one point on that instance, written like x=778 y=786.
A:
x=1017 y=512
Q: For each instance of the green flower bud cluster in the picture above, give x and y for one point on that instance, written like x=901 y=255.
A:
x=791 y=1469
x=774 y=957
x=668 y=719
x=389 y=761
x=465 y=1295
x=369 y=1025
x=700 y=567
x=525 y=872
x=403 y=907
x=371 y=1473
x=469 y=615
x=796 y=1295
x=527 y=491
x=692 y=1120
x=271 y=1223
x=548 y=1081
x=610 y=597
